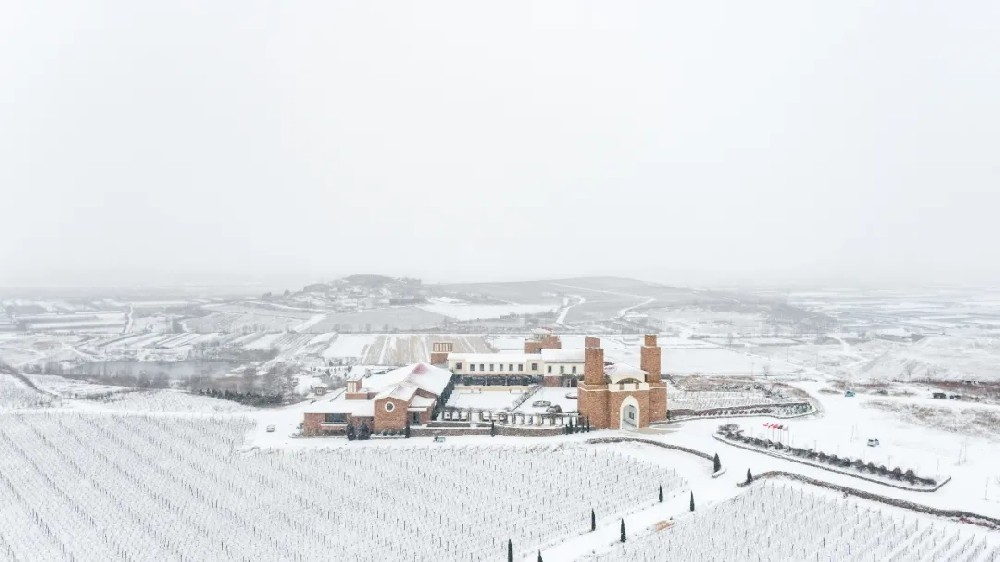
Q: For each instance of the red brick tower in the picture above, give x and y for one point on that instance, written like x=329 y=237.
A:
x=592 y=395
x=649 y=361
x=441 y=350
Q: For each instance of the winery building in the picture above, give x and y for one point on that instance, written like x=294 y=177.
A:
x=384 y=401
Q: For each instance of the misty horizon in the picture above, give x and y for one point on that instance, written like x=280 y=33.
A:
x=710 y=144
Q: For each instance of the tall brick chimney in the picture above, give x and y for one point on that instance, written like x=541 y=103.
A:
x=649 y=358
x=440 y=352
x=593 y=368
x=591 y=341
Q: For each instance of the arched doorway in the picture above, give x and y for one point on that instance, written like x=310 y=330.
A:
x=629 y=413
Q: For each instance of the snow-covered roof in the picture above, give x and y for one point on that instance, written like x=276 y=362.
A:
x=402 y=391
x=502 y=357
x=563 y=355
x=421 y=375
x=338 y=404
x=619 y=371
x=421 y=402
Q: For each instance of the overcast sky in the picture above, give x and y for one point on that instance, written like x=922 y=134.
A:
x=699 y=142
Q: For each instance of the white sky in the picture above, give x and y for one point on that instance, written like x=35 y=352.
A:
x=710 y=141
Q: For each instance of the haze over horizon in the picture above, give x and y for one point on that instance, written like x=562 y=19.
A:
x=714 y=143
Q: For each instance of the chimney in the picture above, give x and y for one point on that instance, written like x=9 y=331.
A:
x=593 y=369
x=590 y=342
x=440 y=352
x=649 y=358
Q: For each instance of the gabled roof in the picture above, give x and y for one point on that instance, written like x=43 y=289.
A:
x=421 y=375
x=401 y=391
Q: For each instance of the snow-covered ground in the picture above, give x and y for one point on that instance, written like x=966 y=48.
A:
x=89 y=486
x=485 y=397
x=556 y=396
x=467 y=311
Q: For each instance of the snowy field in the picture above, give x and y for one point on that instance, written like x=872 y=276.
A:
x=466 y=311
x=789 y=522
x=15 y=394
x=156 y=487
x=72 y=388
x=158 y=401
x=705 y=400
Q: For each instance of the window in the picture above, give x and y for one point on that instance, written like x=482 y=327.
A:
x=458 y=366
x=389 y=406
x=534 y=366
x=562 y=369
x=335 y=418
x=510 y=367
x=550 y=368
x=520 y=367
x=482 y=367
x=574 y=369
x=472 y=367
x=491 y=367
x=414 y=417
x=501 y=367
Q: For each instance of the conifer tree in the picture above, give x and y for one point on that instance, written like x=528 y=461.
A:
x=571 y=428
x=593 y=521
x=510 y=551
x=588 y=424
x=539 y=556
x=406 y=431
x=749 y=476
x=661 y=493
x=350 y=432
x=692 y=500
x=623 y=530
x=716 y=463
x=493 y=428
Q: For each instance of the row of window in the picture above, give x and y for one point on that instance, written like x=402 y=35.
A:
x=510 y=367
x=342 y=418
x=481 y=367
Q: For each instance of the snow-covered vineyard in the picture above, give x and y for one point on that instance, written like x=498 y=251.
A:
x=108 y=486
x=779 y=522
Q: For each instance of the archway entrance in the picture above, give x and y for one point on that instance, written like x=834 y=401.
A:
x=629 y=413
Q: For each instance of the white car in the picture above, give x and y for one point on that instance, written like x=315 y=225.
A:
x=270 y=429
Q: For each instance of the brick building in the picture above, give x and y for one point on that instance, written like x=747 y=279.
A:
x=620 y=396
x=385 y=401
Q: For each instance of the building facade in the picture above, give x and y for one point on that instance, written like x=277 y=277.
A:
x=620 y=396
x=383 y=401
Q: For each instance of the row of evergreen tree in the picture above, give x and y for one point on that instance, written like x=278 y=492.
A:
x=246 y=398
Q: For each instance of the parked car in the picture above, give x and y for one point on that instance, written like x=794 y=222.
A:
x=571 y=395
x=954 y=396
x=849 y=394
x=873 y=443
x=939 y=396
x=541 y=403
x=270 y=429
